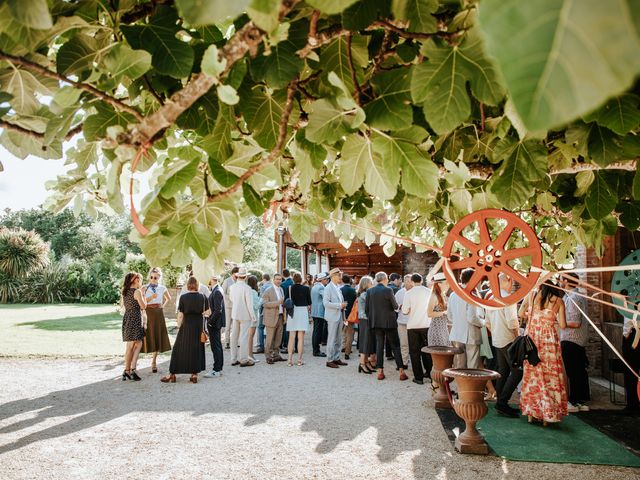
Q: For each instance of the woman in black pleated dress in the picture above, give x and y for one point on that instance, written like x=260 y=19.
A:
x=188 y=351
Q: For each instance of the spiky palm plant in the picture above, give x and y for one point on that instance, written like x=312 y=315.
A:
x=22 y=253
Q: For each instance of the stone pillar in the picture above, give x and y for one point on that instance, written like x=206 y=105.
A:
x=304 y=261
x=282 y=249
x=318 y=261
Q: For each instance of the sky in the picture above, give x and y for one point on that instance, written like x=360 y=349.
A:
x=22 y=181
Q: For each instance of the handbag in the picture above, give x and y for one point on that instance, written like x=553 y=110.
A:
x=353 y=315
x=288 y=304
x=203 y=334
x=523 y=349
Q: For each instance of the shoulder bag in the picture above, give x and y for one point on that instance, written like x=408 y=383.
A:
x=353 y=315
x=288 y=304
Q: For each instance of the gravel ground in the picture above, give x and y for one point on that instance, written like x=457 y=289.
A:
x=74 y=418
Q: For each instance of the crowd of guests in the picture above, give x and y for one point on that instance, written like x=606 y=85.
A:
x=386 y=317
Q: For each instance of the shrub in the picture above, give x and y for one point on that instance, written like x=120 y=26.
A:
x=48 y=285
x=9 y=288
x=22 y=252
x=136 y=262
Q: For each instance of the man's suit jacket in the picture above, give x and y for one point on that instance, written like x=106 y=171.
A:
x=217 y=319
x=381 y=307
x=332 y=300
x=271 y=306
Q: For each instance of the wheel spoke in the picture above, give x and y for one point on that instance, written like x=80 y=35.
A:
x=494 y=283
x=515 y=275
x=466 y=243
x=502 y=239
x=464 y=263
x=517 y=253
x=475 y=279
x=485 y=236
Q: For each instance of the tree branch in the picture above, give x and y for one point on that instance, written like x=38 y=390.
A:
x=246 y=40
x=45 y=72
x=275 y=151
x=142 y=11
x=320 y=39
x=38 y=135
x=23 y=131
x=483 y=172
x=387 y=25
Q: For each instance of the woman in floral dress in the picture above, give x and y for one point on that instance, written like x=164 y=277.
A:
x=544 y=392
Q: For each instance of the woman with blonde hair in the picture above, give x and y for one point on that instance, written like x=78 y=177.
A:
x=132 y=330
x=188 y=350
x=156 y=338
x=366 y=337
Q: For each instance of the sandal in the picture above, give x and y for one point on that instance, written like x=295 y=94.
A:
x=300 y=363
x=289 y=364
x=194 y=378
x=169 y=379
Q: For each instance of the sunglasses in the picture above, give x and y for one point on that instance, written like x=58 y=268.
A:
x=154 y=278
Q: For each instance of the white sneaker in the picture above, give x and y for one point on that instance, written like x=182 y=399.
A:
x=583 y=407
x=213 y=374
x=572 y=408
x=254 y=360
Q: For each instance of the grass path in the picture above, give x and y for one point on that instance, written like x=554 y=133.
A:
x=65 y=330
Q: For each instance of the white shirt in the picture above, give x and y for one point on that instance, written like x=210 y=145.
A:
x=465 y=323
x=160 y=289
x=241 y=302
x=504 y=324
x=416 y=305
x=403 y=318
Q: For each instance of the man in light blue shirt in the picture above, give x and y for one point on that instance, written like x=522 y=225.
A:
x=466 y=327
x=317 y=313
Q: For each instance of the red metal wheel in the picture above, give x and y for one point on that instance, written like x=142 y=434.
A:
x=491 y=257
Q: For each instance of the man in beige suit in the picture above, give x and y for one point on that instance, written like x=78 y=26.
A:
x=272 y=301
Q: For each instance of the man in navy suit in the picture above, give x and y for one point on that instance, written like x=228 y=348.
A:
x=215 y=323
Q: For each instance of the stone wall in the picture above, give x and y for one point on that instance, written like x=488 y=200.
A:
x=170 y=308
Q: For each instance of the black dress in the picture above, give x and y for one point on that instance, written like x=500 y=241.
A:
x=188 y=351
x=132 y=330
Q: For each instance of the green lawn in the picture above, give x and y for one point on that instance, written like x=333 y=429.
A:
x=61 y=330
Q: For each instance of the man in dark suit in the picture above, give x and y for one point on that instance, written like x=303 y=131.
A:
x=381 y=308
x=349 y=294
x=215 y=323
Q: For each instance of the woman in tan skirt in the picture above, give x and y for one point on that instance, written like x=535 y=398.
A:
x=156 y=338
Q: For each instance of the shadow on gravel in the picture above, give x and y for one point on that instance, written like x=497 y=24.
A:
x=338 y=409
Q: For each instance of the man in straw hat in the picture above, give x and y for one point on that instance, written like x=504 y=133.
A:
x=334 y=306
x=242 y=314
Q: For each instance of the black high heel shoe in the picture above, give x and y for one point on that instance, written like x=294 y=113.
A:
x=125 y=376
x=134 y=376
x=363 y=369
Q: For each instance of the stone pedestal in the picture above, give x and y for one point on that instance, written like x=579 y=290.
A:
x=442 y=359
x=470 y=406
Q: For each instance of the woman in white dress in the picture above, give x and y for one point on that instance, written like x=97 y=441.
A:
x=298 y=324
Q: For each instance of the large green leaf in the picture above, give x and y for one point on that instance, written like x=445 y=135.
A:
x=262 y=111
x=601 y=199
x=363 y=13
x=360 y=161
x=561 y=58
x=95 y=126
x=170 y=56
x=334 y=58
x=210 y=12
x=280 y=64
x=302 y=225
x=221 y=175
x=122 y=61
x=180 y=174
x=31 y=13
x=23 y=87
x=76 y=55
x=620 y=114
x=603 y=145
x=419 y=173
x=391 y=109
x=328 y=123
x=440 y=82
x=253 y=199
x=218 y=143
x=514 y=182
x=418 y=13
x=190 y=235
x=264 y=13
x=630 y=215
x=331 y=6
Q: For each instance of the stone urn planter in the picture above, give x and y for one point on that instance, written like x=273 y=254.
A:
x=470 y=405
x=442 y=359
